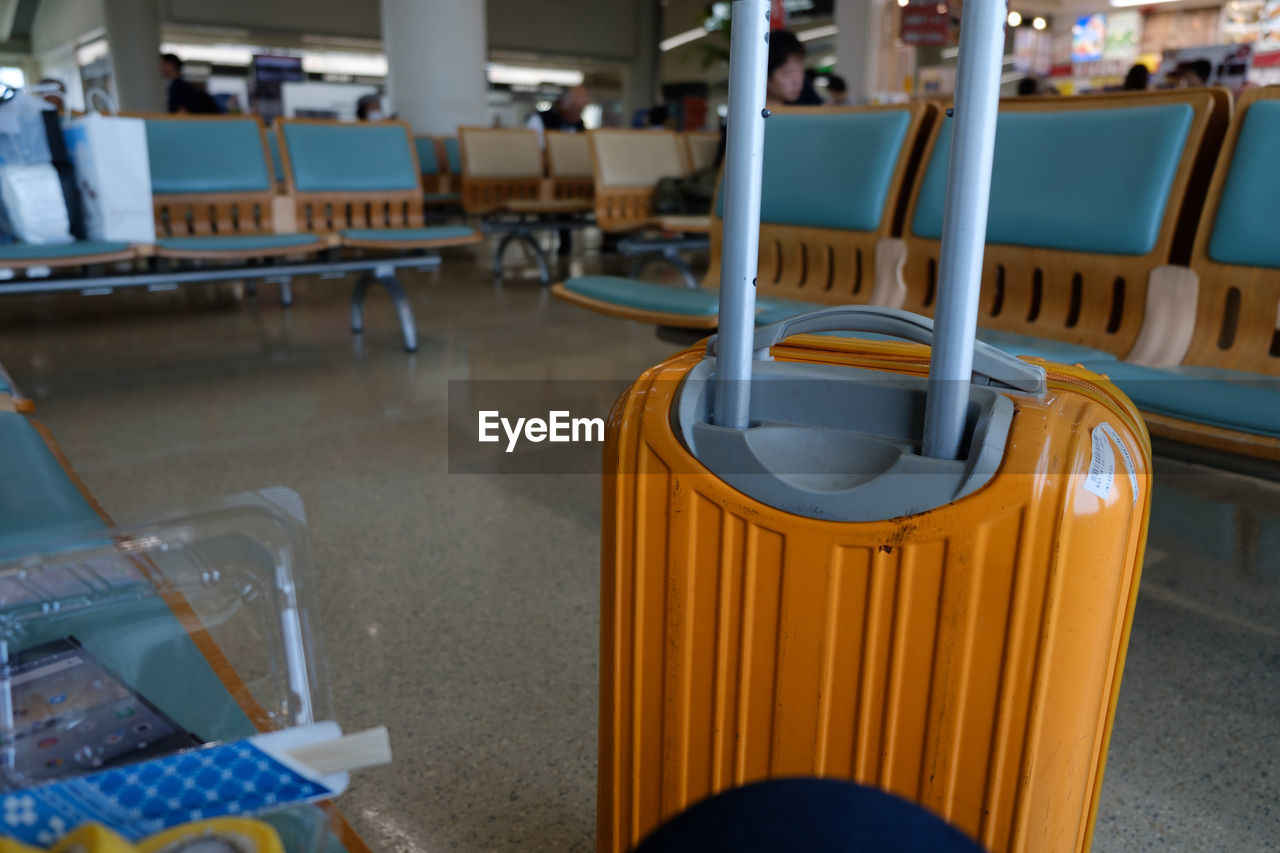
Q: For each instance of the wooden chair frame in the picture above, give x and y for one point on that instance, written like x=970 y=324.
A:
x=437 y=181
x=1238 y=311
x=833 y=266
x=481 y=195
x=334 y=211
x=1081 y=298
x=568 y=187
x=621 y=208
x=209 y=214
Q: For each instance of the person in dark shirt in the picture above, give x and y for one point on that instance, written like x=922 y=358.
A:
x=184 y=97
x=565 y=113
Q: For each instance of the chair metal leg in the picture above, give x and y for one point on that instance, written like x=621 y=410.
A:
x=404 y=311
x=525 y=239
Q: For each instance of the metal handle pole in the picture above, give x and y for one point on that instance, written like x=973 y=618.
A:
x=964 y=224
x=744 y=161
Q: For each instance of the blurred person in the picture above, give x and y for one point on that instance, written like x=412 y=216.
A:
x=184 y=96
x=785 y=82
x=838 y=90
x=369 y=108
x=565 y=113
x=1137 y=79
x=55 y=92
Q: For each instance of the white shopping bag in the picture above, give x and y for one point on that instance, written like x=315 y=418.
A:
x=32 y=198
x=113 y=174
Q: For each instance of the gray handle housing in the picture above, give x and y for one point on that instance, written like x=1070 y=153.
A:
x=991 y=366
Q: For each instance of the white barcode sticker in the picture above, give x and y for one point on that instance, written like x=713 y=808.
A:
x=1124 y=455
x=1102 y=466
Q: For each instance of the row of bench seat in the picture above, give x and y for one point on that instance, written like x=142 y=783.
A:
x=1130 y=233
x=348 y=188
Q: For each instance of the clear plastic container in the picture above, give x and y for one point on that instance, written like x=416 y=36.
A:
x=125 y=644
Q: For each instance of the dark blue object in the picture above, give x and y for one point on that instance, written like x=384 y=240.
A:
x=811 y=815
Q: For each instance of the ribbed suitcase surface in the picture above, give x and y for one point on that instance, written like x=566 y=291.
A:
x=967 y=658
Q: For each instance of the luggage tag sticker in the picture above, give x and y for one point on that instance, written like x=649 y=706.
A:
x=1102 y=464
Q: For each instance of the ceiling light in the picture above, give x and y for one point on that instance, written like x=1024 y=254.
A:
x=903 y=3
x=1039 y=23
x=818 y=33
x=1014 y=19
x=681 y=38
x=517 y=75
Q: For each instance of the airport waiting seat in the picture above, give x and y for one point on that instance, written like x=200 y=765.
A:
x=435 y=180
x=569 y=165
x=702 y=148
x=627 y=167
x=1090 y=198
x=1222 y=392
x=503 y=182
x=362 y=183
x=832 y=189
x=452 y=161
x=213 y=190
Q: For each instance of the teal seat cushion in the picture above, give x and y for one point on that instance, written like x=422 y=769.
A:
x=408 y=235
x=1244 y=232
x=453 y=155
x=38 y=501
x=428 y=161
x=332 y=157
x=646 y=296
x=207 y=156
x=239 y=242
x=829 y=170
x=1245 y=402
x=31 y=252
x=1113 y=204
x=1058 y=351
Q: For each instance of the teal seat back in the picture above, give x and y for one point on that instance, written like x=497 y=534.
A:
x=1244 y=231
x=1092 y=180
x=223 y=155
x=453 y=155
x=428 y=162
x=829 y=170
x=273 y=144
x=333 y=157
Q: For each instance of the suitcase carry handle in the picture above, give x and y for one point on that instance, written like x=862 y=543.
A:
x=991 y=366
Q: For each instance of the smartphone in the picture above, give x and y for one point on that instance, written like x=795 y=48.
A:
x=64 y=713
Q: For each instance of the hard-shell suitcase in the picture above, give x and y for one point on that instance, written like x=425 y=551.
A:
x=966 y=657
x=912 y=565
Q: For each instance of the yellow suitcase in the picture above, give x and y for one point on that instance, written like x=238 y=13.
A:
x=967 y=657
x=848 y=557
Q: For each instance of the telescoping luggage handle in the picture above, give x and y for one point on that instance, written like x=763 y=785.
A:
x=964 y=223
x=991 y=366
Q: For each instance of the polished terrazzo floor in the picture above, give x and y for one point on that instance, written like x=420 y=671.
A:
x=461 y=610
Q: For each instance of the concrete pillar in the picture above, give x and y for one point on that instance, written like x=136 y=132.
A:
x=133 y=37
x=858 y=45
x=643 y=73
x=436 y=52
